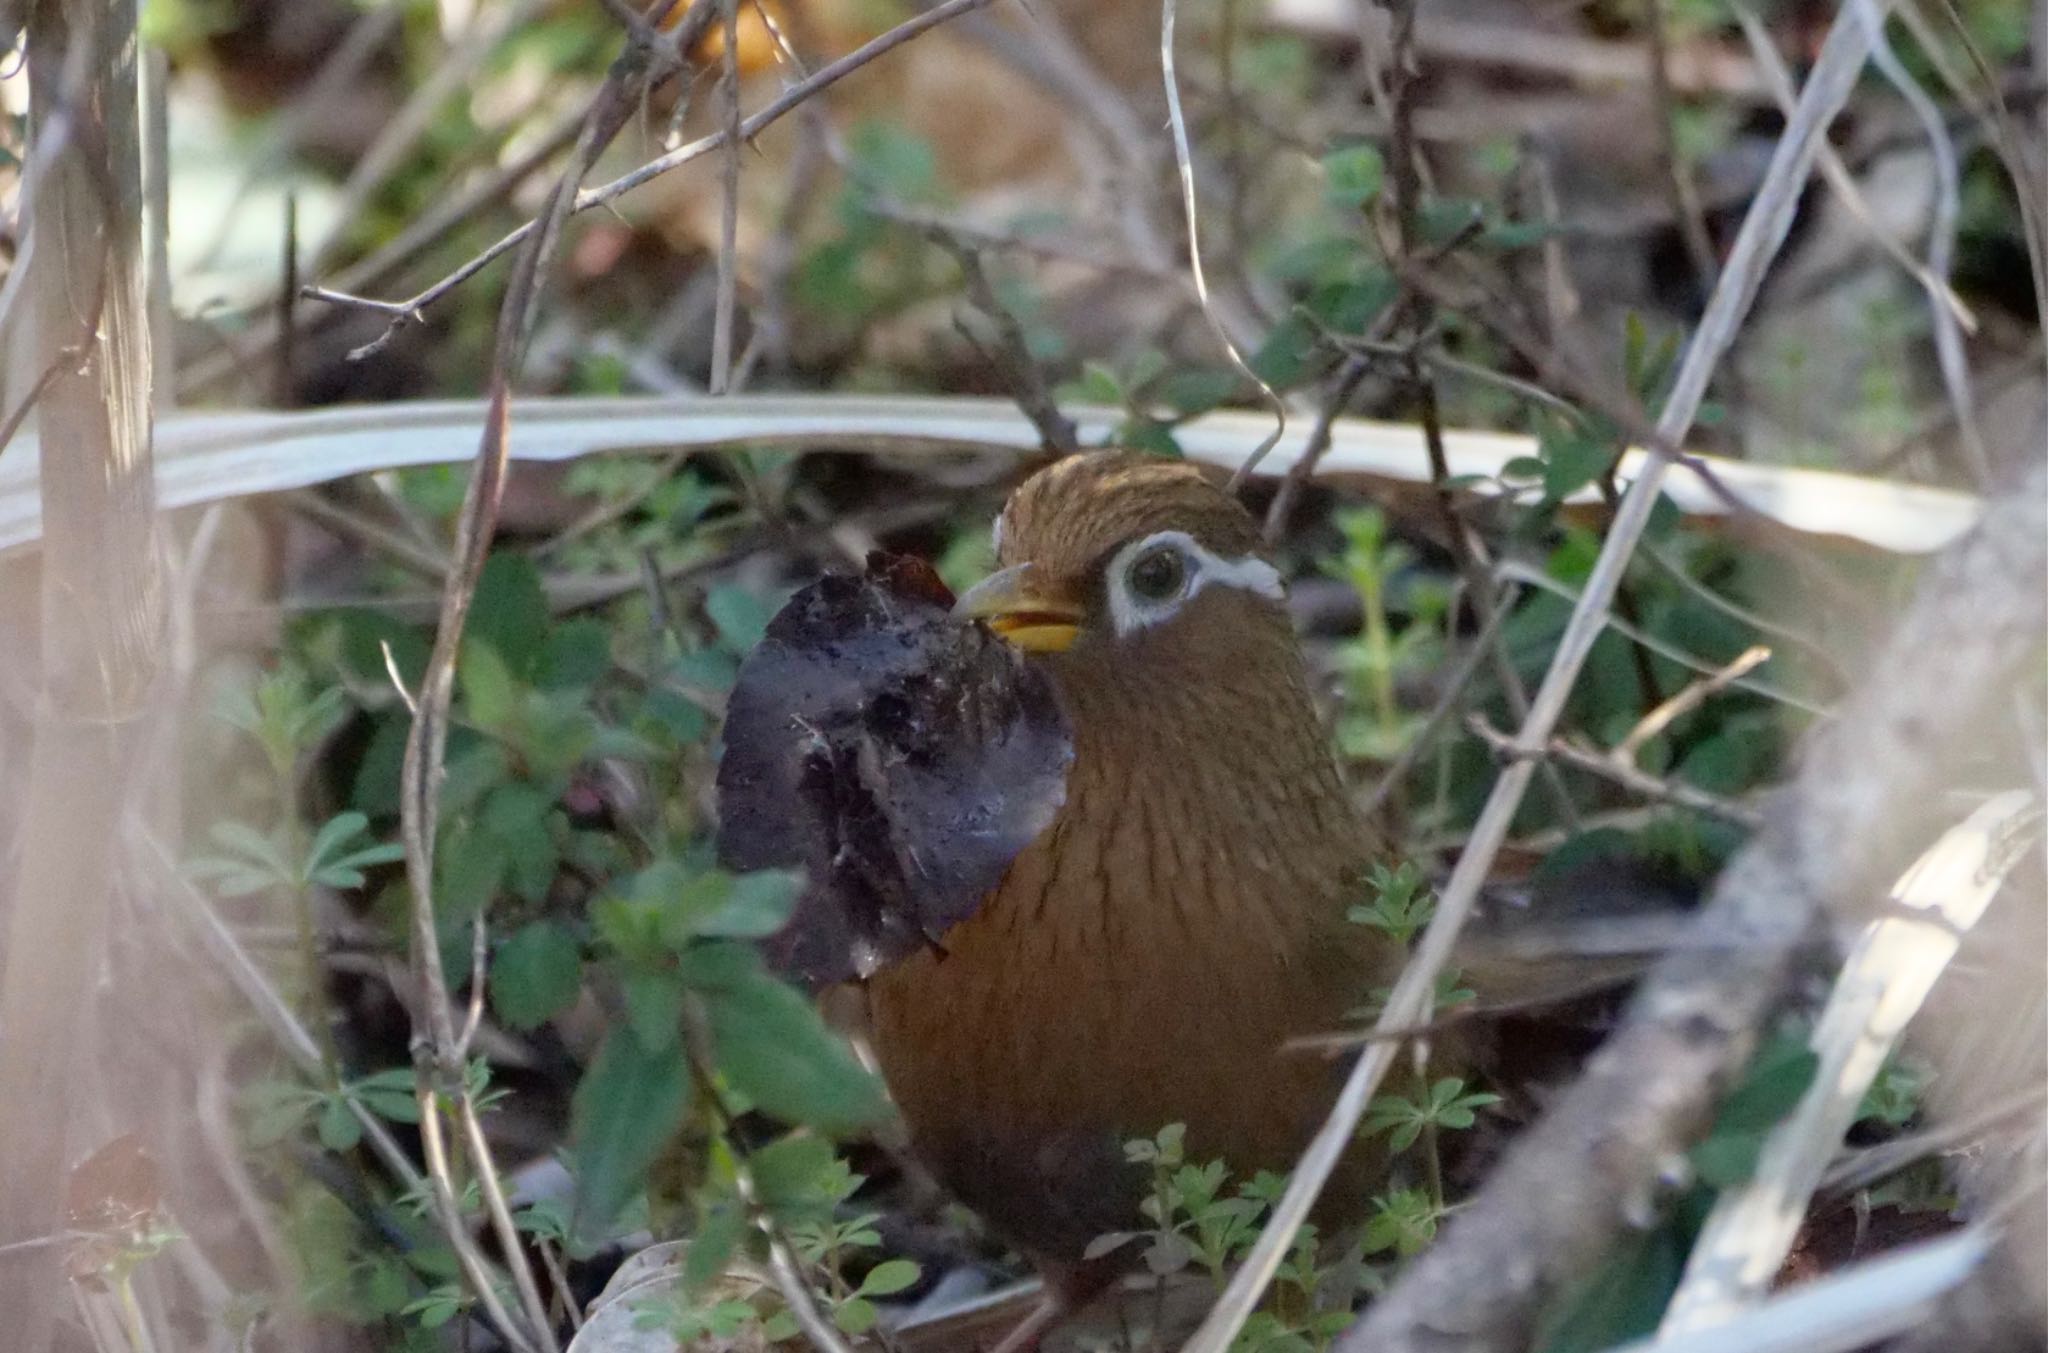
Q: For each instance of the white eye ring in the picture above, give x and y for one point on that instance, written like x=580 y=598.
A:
x=1131 y=613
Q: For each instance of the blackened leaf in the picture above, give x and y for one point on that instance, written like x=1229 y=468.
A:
x=899 y=757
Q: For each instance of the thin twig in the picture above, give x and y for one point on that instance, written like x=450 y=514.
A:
x=585 y=200
x=1839 y=178
x=1342 y=389
x=1184 y=163
x=1763 y=232
x=1685 y=199
x=1941 y=240
x=439 y=1049
x=729 y=212
x=1638 y=782
x=1690 y=698
x=1028 y=384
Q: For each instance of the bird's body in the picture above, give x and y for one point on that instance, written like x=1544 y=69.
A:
x=1146 y=959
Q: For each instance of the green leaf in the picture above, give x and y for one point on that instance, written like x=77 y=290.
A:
x=471 y=870
x=535 y=974
x=364 y=635
x=775 y=1049
x=1572 y=461
x=889 y=1277
x=755 y=906
x=1623 y=1300
x=741 y=617
x=654 y=1007
x=340 y=1129
x=391 y=1095
x=1779 y=1074
x=855 y=1316
x=376 y=785
x=797 y=1175
x=518 y=816
x=489 y=695
x=1291 y=351
x=510 y=612
x=576 y=654
x=629 y=1103
x=681 y=719
x=1353 y=175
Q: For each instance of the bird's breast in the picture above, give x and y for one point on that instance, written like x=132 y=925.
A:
x=1144 y=962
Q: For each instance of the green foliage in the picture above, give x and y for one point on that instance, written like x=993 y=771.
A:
x=1777 y=1076
x=1446 y=1105
x=630 y=1101
x=1401 y=902
x=1353 y=175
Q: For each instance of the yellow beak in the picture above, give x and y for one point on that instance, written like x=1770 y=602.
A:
x=1034 y=623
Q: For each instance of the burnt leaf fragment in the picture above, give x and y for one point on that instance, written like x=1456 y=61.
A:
x=898 y=756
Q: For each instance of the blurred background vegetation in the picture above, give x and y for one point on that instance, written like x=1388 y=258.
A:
x=990 y=210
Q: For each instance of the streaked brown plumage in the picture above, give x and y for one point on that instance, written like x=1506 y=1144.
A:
x=1144 y=960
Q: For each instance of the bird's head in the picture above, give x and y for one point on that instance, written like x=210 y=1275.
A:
x=1108 y=555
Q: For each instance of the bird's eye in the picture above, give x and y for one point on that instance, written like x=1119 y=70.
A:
x=1157 y=575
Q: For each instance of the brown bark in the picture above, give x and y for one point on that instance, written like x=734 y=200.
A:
x=87 y=324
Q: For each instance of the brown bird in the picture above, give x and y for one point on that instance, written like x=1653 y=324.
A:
x=1146 y=958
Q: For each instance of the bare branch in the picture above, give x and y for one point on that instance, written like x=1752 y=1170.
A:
x=753 y=126
x=1639 y=782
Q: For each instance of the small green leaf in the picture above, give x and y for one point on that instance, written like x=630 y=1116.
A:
x=576 y=654
x=755 y=905
x=628 y=1104
x=340 y=1129
x=489 y=694
x=1624 y=1299
x=654 y=1007
x=889 y=1277
x=740 y=615
x=797 y=1175
x=775 y=1049
x=1353 y=175
x=855 y=1316
x=510 y=612
x=1572 y=461
x=536 y=974
x=391 y=1095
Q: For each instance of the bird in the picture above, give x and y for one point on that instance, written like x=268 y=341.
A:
x=1149 y=956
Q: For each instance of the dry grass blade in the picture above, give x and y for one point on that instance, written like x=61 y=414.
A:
x=1889 y=972
x=1857 y=1308
x=1763 y=232
x=213 y=457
